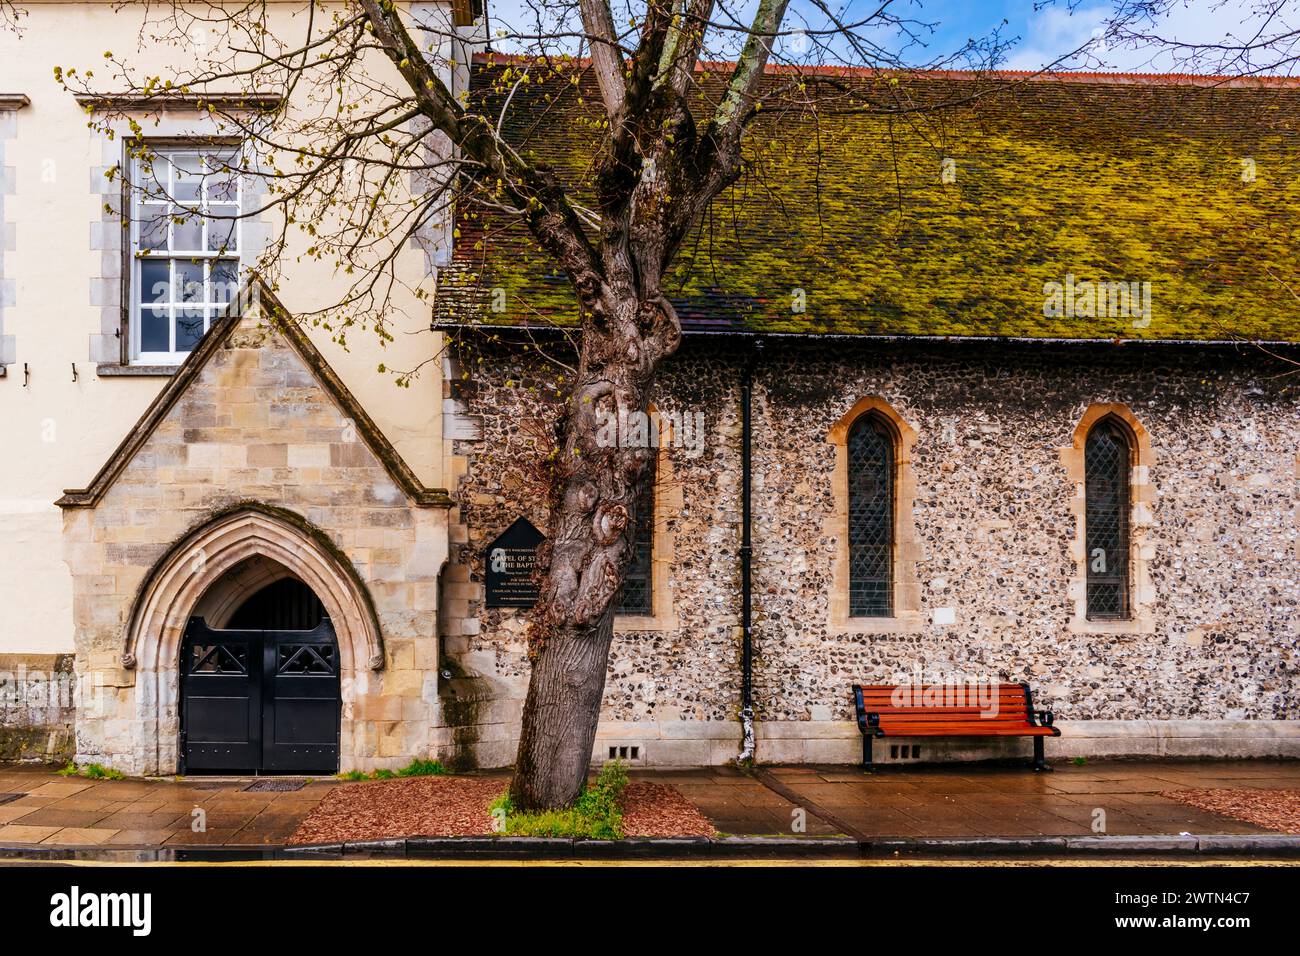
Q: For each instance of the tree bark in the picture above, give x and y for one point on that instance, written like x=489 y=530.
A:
x=563 y=708
x=594 y=494
x=655 y=179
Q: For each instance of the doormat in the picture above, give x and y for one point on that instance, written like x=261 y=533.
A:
x=274 y=784
x=11 y=797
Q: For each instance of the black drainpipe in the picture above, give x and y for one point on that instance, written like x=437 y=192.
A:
x=747 y=552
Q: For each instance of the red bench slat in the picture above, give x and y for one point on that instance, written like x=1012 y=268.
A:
x=949 y=710
x=966 y=730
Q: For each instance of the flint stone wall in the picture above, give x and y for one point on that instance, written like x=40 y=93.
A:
x=995 y=526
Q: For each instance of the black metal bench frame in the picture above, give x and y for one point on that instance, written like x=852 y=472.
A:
x=869 y=725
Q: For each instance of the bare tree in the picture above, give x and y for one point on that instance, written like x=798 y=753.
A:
x=362 y=147
x=10 y=15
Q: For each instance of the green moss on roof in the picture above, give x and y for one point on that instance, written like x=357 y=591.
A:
x=1106 y=183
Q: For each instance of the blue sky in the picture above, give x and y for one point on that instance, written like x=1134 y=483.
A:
x=1042 y=35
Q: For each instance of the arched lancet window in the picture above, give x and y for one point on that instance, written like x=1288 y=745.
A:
x=638 y=588
x=871 y=457
x=1108 y=454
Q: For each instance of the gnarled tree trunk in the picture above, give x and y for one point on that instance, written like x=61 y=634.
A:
x=559 y=727
x=656 y=177
x=594 y=495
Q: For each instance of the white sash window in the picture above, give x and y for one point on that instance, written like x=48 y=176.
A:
x=185 y=247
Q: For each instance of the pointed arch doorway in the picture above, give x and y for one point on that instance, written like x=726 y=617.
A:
x=210 y=571
x=261 y=692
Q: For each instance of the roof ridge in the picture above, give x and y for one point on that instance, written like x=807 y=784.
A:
x=1118 y=78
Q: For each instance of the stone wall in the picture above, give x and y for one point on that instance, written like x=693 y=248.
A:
x=254 y=458
x=38 y=698
x=1210 y=667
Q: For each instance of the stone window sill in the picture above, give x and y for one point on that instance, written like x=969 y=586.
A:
x=111 y=370
x=647 y=623
x=904 y=622
x=1135 y=627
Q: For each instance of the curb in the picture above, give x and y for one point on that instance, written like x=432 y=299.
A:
x=564 y=848
x=733 y=847
x=688 y=848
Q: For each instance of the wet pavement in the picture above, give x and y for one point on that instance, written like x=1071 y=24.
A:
x=975 y=800
x=71 y=811
x=39 y=808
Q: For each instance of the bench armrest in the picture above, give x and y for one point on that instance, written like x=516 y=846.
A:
x=1045 y=717
x=873 y=725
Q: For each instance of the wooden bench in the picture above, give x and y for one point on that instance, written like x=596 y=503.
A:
x=951 y=710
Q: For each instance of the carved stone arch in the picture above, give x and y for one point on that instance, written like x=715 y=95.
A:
x=1139 y=437
x=1142 y=519
x=907 y=589
x=179 y=579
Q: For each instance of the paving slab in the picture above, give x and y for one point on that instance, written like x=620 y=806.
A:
x=10 y=812
x=55 y=816
x=17 y=833
x=58 y=789
x=954 y=802
x=63 y=811
x=79 y=836
x=128 y=820
x=989 y=801
x=219 y=837
x=141 y=837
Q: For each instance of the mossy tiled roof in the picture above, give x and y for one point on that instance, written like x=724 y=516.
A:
x=1190 y=187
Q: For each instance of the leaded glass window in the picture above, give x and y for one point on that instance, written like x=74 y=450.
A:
x=871 y=518
x=638 y=588
x=1107 y=456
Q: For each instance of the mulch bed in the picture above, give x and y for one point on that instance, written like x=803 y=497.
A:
x=1274 y=809
x=657 y=810
x=458 y=806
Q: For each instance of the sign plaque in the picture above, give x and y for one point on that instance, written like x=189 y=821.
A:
x=509 y=562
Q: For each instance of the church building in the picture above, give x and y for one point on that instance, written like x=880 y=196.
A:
x=1003 y=386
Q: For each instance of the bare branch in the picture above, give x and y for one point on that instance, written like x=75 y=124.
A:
x=682 y=49
x=732 y=112
x=606 y=55
x=549 y=214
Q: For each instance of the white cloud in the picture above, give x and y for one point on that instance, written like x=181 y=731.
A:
x=1055 y=32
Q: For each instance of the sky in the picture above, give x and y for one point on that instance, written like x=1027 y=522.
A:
x=1043 y=32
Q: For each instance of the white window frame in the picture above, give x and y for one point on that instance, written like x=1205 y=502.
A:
x=142 y=210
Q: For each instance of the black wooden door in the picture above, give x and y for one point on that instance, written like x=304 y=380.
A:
x=259 y=701
x=300 y=712
x=221 y=699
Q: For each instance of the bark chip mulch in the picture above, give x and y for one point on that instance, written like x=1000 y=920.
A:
x=658 y=810
x=1274 y=809
x=413 y=806
x=458 y=806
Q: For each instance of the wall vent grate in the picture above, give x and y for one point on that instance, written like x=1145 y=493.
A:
x=904 y=751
